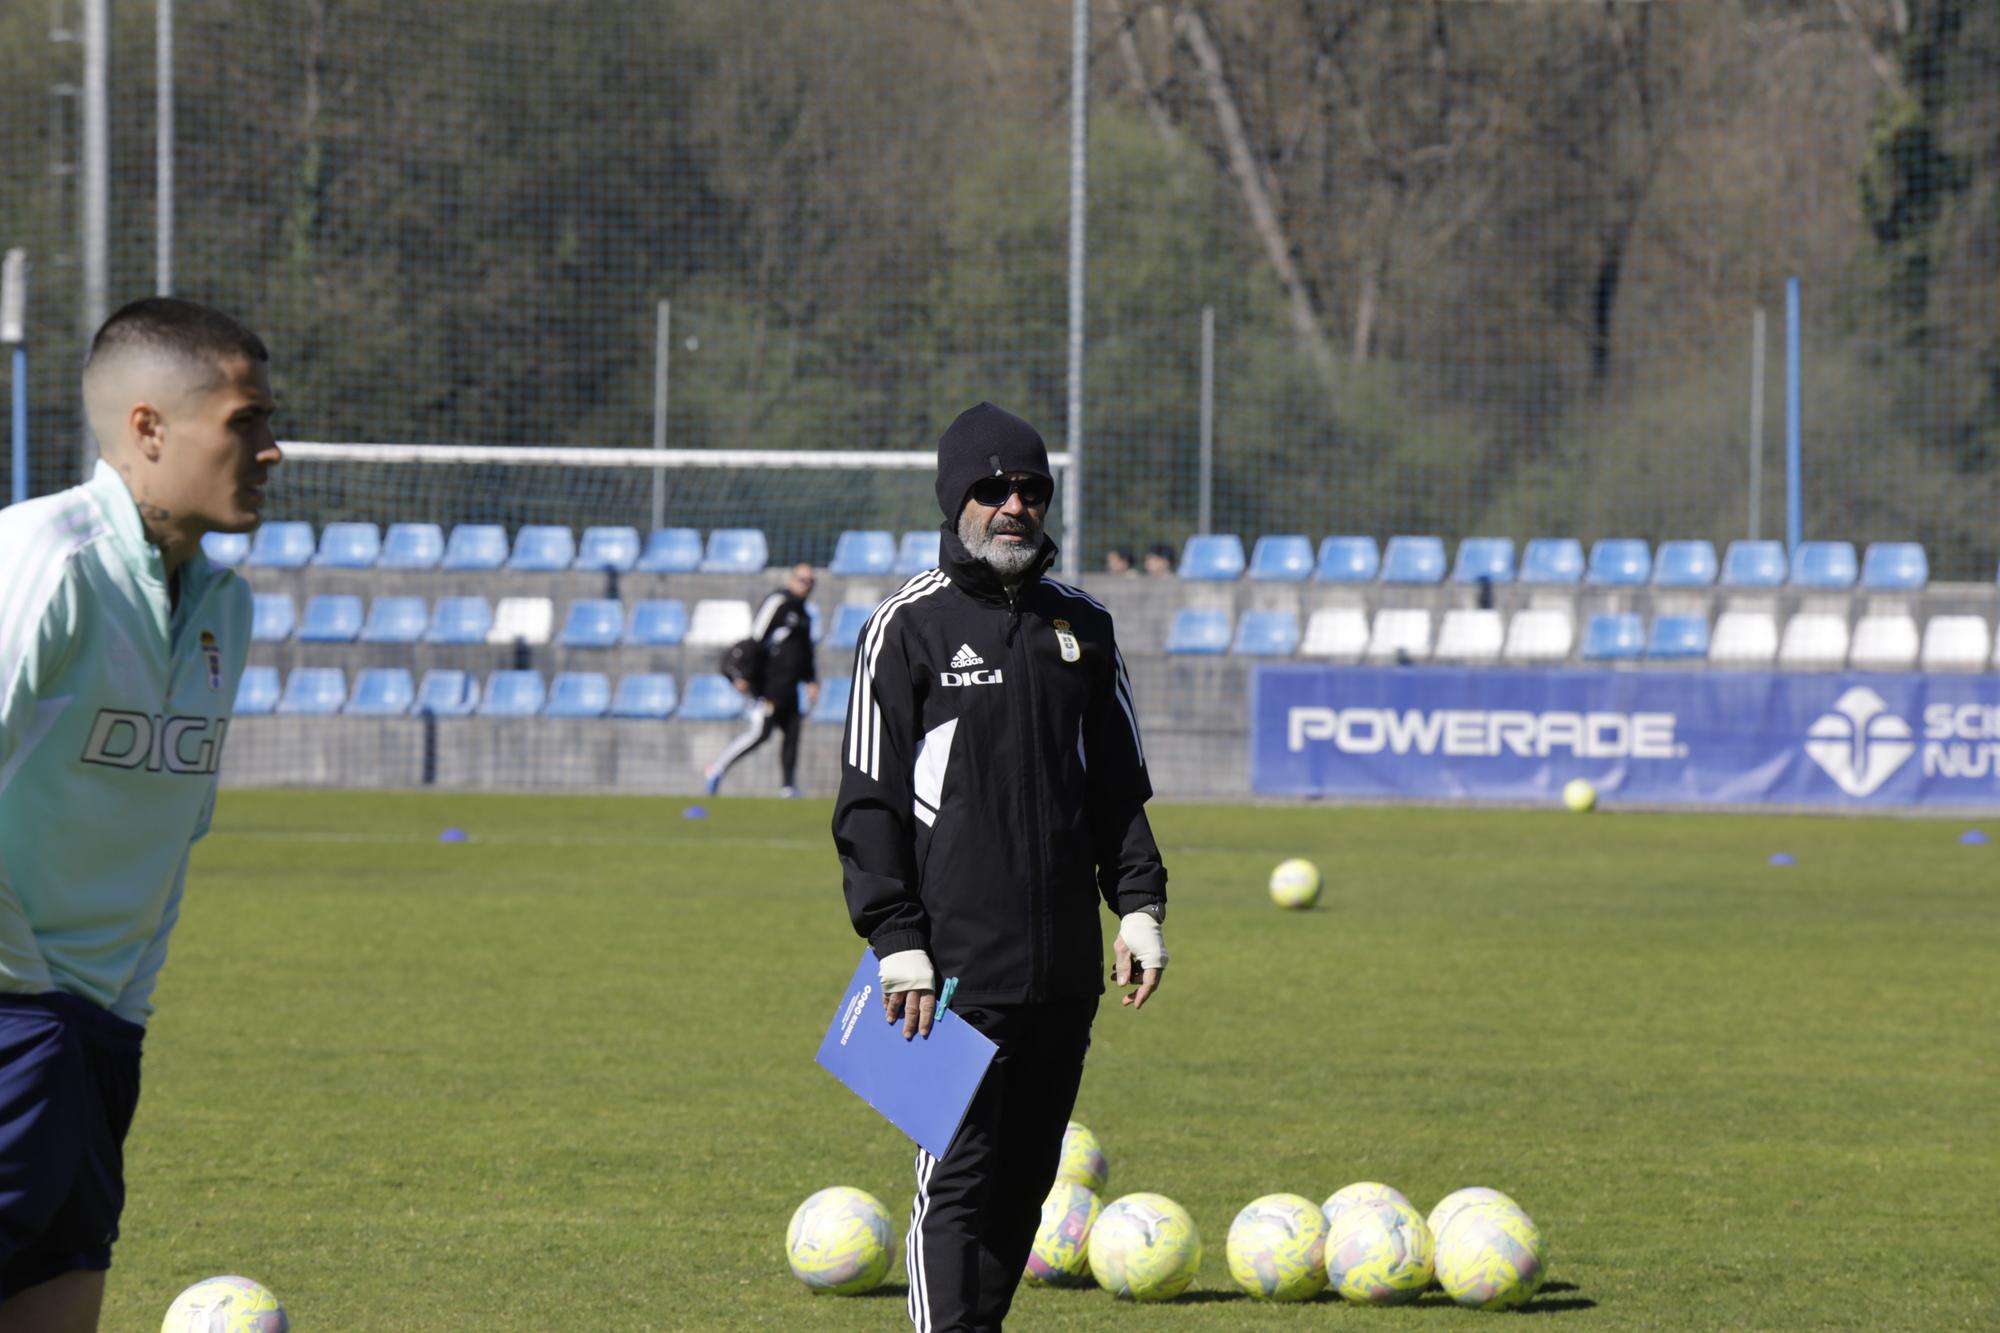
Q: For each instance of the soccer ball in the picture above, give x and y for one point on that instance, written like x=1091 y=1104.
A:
x=1379 y=1253
x=1490 y=1256
x=1451 y=1204
x=840 y=1241
x=1361 y=1191
x=1061 y=1257
x=1083 y=1159
x=1277 y=1248
x=1295 y=883
x=1144 y=1248
x=226 y=1305
x=1580 y=796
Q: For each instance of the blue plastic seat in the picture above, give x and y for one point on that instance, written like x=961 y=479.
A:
x=1266 y=634
x=1678 y=636
x=1759 y=564
x=1552 y=560
x=734 y=551
x=1348 y=560
x=348 y=546
x=578 y=694
x=1212 y=557
x=1895 y=567
x=648 y=694
x=671 y=551
x=314 y=691
x=865 y=553
x=1484 y=560
x=1413 y=559
x=282 y=546
x=593 y=622
x=513 y=694
x=459 y=620
x=1619 y=562
x=412 y=546
x=833 y=698
x=447 y=692
x=1281 y=559
x=1199 y=629
x=1614 y=637
x=917 y=552
x=381 y=692
x=225 y=548
x=1824 y=565
x=476 y=546
x=331 y=617
x=272 y=617
x=658 y=623
x=848 y=618
x=542 y=548
x=395 y=620
x=1685 y=564
x=604 y=548
x=711 y=698
x=256 y=690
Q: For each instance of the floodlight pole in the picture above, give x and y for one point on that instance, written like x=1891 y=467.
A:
x=1756 y=421
x=163 y=152
x=663 y=321
x=14 y=331
x=1206 y=513
x=1079 y=178
x=1794 y=499
x=96 y=209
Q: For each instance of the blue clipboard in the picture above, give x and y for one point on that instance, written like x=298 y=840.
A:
x=921 y=1086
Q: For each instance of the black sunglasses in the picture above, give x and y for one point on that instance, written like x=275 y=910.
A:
x=993 y=491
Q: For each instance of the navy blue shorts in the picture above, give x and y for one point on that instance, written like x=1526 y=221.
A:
x=69 y=1083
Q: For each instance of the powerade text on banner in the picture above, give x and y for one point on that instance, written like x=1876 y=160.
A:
x=1843 y=740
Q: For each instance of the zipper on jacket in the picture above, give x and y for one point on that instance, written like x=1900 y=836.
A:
x=1038 y=906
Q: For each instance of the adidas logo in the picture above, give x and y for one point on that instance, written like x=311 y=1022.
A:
x=965 y=657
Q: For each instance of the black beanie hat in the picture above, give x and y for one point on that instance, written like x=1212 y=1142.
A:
x=985 y=441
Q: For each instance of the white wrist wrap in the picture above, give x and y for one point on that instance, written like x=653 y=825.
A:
x=1141 y=934
x=908 y=970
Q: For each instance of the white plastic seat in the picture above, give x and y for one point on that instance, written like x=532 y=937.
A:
x=1336 y=631
x=1743 y=638
x=529 y=620
x=1539 y=634
x=1401 y=633
x=1884 y=642
x=1956 y=643
x=1814 y=640
x=1470 y=634
x=718 y=622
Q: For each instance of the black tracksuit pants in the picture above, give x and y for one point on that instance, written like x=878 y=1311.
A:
x=780 y=714
x=978 y=1206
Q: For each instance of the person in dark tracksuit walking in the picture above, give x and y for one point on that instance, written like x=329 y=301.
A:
x=992 y=796
x=782 y=660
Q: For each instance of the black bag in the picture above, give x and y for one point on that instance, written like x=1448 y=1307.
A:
x=744 y=661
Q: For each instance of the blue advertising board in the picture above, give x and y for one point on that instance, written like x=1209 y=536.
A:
x=1844 y=740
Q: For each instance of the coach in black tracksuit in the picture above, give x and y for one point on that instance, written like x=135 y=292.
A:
x=781 y=651
x=992 y=799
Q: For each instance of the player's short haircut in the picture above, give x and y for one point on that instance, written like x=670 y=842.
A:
x=185 y=330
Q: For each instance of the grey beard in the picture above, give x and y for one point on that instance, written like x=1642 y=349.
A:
x=1009 y=560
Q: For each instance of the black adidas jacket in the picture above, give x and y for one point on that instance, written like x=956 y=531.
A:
x=784 y=628
x=993 y=782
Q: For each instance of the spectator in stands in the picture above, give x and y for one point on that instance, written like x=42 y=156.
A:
x=119 y=663
x=770 y=666
x=1159 y=560
x=1118 y=560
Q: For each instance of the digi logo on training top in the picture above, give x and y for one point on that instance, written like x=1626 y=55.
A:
x=187 y=745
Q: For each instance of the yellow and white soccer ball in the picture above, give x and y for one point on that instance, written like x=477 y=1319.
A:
x=1144 y=1247
x=1361 y=1191
x=1295 y=883
x=1083 y=1159
x=226 y=1305
x=1379 y=1253
x=1277 y=1248
x=1490 y=1256
x=840 y=1241
x=1061 y=1257
x=1580 y=796
x=1450 y=1205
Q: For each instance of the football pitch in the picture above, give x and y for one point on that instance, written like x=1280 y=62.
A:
x=559 y=1076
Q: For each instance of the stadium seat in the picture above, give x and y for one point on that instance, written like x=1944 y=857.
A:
x=1199 y=629
x=1743 y=638
x=1266 y=634
x=381 y=692
x=1614 y=637
x=272 y=617
x=848 y=618
x=917 y=552
x=717 y=623
x=256 y=690
x=282 y=546
x=542 y=548
x=1348 y=560
x=1212 y=557
x=735 y=551
x=1895 y=567
x=1957 y=643
x=1678 y=637
x=608 y=548
x=314 y=691
x=446 y=692
x=331 y=618
x=578 y=694
x=1402 y=634
x=529 y=620
x=647 y=694
x=711 y=698
x=1281 y=559
x=1814 y=640
x=863 y=553
x=459 y=620
x=1685 y=564
x=657 y=623
x=1339 y=632
x=1824 y=565
x=1748 y=564
x=225 y=548
x=1540 y=634
x=671 y=551
x=476 y=546
x=1618 y=562
x=412 y=546
x=1552 y=561
x=833 y=697
x=1418 y=560
x=1884 y=641
x=593 y=622
x=394 y=620
x=348 y=546
x=513 y=694
x=1470 y=634
x=1484 y=560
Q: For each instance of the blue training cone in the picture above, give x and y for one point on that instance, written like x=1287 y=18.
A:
x=1973 y=837
x=695 y=812
x=1783 y=859
x=452 y=835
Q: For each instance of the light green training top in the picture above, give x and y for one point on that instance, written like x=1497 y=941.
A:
x=113 y=710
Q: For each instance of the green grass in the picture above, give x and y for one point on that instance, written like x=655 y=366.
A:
x=560 y=1076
